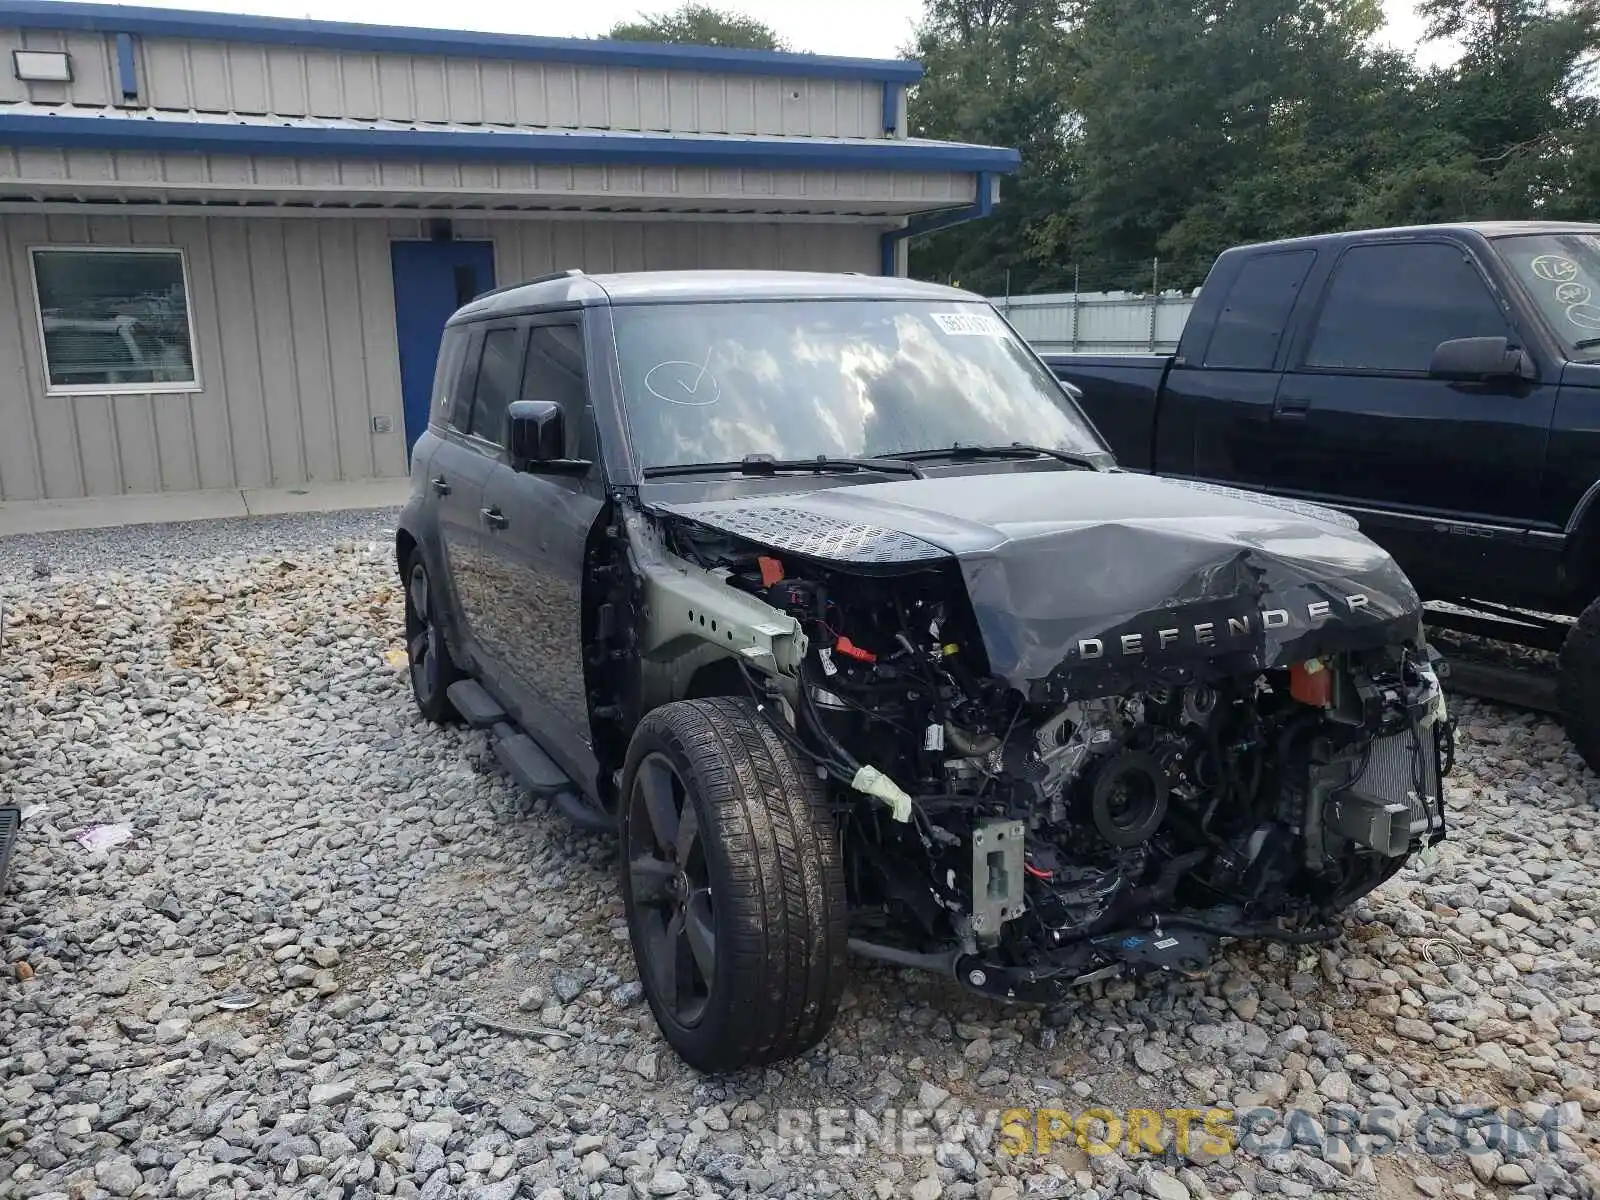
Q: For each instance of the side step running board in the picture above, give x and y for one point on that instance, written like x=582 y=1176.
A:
x=584 y=815
x=531 y=767
x=528 y=763
x=1530 y=689
x=525 y=759
x=476 y=706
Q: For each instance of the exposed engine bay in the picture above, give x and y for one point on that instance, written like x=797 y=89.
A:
x=1117 y=813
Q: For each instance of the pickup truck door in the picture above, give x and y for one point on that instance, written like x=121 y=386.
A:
x=540 y=525
x=1445 y=474
x=1216 y=407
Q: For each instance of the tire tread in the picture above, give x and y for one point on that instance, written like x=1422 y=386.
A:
x=781 y=921
x=439 y=710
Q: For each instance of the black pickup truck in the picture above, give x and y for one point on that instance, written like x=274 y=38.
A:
x=1441 y=384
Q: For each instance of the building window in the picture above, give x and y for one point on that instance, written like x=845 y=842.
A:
x=115 y=320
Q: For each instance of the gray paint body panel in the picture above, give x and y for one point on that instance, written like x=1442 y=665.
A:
x=1088 y=583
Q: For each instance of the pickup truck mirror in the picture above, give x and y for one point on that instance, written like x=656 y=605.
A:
x=1477 y=359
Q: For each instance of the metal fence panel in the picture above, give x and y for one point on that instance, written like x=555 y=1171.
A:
x=1099 y=322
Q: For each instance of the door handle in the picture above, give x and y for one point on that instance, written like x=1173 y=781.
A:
x=1294 y=408
x=493 y=517
x=439 y=485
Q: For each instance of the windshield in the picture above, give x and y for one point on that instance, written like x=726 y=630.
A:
x=714 y=382
x=1561 y=272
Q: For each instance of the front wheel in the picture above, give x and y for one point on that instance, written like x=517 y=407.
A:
x=733 y=880
x=1578 y=685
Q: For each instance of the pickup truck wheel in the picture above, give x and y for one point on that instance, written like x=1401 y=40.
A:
x=733 y=881
x=431 y=667
x=1578 y=685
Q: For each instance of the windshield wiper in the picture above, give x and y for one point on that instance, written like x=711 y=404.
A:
x=1014 y=450
x=1586 y=344
x=766 y=464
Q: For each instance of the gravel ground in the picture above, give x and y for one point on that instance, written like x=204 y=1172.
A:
x=445 y=1002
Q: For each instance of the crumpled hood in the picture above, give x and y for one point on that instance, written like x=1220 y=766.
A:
x=1085 y=583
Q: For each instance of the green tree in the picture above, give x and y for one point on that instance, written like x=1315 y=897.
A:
x=1208 y=122
x=700 y=25
x=993 y=75
x=1175 y=128
x=1521 y=100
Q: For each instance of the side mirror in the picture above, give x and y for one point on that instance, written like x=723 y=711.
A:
x=536 y=439
x=536 y=432
x=1477 y=359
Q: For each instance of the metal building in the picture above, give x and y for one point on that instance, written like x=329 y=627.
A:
x=228 y=243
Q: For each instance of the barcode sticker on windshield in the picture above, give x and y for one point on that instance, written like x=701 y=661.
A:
x=978 y=324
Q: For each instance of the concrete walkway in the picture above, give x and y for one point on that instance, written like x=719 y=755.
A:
x=100 y=512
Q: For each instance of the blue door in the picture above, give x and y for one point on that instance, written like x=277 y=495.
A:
x=431 y=281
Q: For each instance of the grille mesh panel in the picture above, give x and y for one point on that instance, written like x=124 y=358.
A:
x=816 y=535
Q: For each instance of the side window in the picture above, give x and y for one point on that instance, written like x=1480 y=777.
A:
x=554 y=372
x=448 y=395
x=1388 y=307
x=497 y=383
x=466 y=378
x=1257 y=310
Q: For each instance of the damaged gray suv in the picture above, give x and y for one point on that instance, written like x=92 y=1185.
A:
x=822 y=596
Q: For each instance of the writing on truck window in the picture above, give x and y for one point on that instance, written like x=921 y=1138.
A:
x=1561 y=274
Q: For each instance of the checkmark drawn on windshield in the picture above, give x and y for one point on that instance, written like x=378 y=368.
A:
x=705 y=366
x=674 y=376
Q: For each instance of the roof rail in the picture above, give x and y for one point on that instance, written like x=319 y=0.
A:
x=569 y=273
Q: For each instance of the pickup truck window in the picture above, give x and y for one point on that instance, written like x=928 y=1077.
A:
x=1256 y=311
x=1391 y=304
x=1561 y=274
x=716 y=381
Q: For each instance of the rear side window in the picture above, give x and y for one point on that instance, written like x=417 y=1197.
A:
x=498 y=374
x=1257 y=310
x=1389 y=306
x=447 y=374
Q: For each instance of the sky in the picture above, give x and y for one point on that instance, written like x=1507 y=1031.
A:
x=855 y=28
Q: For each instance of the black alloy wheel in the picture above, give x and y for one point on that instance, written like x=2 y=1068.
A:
x=676 y=916
x=732 y=876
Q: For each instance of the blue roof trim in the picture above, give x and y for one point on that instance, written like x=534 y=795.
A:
x=127 y=71
x=637 y=149
x=390 y=39
x=981 y=207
